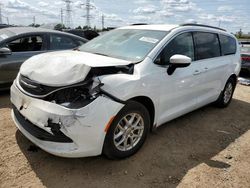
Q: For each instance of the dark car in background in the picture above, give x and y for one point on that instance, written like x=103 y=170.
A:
x=17 y=44
x=245 y=56
x=87 y=34
x=3 y=26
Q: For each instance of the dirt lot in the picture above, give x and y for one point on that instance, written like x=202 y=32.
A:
x=206 y=148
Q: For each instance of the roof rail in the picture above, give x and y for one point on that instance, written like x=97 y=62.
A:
x=139 y=24
x=202 y=25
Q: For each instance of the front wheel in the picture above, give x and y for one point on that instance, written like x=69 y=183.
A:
x=127 y=132
x=227 y=94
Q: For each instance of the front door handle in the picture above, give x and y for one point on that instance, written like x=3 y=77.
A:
x=205 y=69
x=196 y=72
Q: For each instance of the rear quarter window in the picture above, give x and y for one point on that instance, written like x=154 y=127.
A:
x=228 y=45
x=62 y=42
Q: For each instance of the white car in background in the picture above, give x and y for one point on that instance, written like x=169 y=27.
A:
x=106 y=97
x=245 y=56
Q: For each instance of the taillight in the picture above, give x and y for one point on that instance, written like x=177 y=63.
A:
x=245 y=58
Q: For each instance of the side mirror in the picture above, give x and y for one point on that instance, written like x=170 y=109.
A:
x=5 y=51
x=178 y=61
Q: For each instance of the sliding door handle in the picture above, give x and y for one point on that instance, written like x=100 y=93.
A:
x=196 y=72
x=205 y=69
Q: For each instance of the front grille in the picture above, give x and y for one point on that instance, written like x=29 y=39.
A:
x=39 y=133
x=33 y=87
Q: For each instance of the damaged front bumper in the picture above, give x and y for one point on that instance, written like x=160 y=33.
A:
x=60 y=130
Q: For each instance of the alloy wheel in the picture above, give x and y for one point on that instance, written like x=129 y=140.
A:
x=228 y=93
x=128 y=132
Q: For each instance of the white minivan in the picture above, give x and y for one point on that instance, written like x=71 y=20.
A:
x=107 y=95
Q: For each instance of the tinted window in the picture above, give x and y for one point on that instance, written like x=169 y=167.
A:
x=31 y=43
x=228 y=45
x=182 y=45
x=207 y=45
x=60 y=42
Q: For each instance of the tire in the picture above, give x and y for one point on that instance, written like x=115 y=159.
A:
x=126 y=136
x=227 y=94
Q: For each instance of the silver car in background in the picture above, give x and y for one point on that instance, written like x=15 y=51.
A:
x=17 y=44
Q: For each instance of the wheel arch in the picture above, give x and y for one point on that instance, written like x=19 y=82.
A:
x=234 y=77
x=149 y=104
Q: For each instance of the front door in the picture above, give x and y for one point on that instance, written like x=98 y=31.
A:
x=179 y=91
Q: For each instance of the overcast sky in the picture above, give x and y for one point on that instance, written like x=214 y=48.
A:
x=229 y=14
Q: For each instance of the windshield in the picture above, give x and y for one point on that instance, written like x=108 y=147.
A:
x=126 y=44
x=4 y=34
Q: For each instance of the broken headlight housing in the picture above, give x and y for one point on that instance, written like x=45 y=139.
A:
x=73 y=96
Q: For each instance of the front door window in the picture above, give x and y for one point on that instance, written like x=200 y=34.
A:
x=26 y=44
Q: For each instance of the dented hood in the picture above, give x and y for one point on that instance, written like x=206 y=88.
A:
x=65 y=67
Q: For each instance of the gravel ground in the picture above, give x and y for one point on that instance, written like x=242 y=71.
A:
x=209 y=147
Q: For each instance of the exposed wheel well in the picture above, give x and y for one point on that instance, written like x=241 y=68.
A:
x=148 y=103
x=234 y=77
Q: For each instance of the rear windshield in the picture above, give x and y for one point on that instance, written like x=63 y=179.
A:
x=4 y=34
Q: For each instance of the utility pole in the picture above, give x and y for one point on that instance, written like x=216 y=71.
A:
x=34 y=20
x=68 y=19
x=102 y=21
x=1 y=21
x=219 y=22
x=88 y=13
x=88 y=6
x=2 y=16
x=61 y=16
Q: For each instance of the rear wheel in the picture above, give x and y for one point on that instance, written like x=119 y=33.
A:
x=227 y=94
x=127 y=132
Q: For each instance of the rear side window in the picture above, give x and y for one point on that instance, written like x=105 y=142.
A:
x=60 y=42
x=182 y=44
x=207 y=45
x=228 y=45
